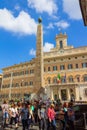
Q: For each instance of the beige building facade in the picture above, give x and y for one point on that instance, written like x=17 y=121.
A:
x=39 y=77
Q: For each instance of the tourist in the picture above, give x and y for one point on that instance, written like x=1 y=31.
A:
x=51 y=117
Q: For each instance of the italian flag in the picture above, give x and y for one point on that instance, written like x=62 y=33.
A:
x=58 y=78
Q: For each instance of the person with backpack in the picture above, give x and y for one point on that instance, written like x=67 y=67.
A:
x=42 y=117
x=25 y=116
x=71 y=116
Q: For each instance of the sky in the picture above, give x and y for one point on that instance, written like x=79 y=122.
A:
x=18 y=27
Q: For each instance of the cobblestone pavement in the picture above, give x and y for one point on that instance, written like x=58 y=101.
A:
x=35 y=127
x=19 y=128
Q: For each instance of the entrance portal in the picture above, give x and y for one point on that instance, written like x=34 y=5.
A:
x=64 y=94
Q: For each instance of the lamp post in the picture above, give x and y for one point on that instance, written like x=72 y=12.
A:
x=10 y=86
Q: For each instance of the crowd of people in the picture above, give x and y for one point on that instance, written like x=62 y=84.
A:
x=47 y=114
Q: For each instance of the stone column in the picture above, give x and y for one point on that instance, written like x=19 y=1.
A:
x=39 y=57
x=68 y=94
x=60 y=94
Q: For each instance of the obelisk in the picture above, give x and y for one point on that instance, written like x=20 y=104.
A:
x=39 y=56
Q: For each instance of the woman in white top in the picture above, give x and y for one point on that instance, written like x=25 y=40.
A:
x=13 y=115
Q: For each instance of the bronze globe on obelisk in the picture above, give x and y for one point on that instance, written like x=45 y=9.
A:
x=39 y=20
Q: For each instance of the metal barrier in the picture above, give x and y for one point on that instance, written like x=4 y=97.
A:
x=81 y=121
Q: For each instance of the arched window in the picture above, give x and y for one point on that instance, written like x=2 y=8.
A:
x=61 y=44
x=48 y=68
x=85 y=78
x=77 y=78
x=63 y=80
x=49 y=80
x=71 y=79
x=54 y=80
x=44 y=69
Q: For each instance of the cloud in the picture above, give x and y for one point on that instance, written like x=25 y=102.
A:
x=48 y=46
x=72 y=8
x=50 y=26
x=62 y=24
x=32 y=52
x=23 y=24
x=48 y=6
x=17 y=7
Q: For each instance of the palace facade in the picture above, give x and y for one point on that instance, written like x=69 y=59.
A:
x=39 y=77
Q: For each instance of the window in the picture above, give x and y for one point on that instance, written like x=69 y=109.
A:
x=82 y=56
x=84 y=65
x=54 y=68
x=55 y=80
x=21 y=73
x=8 y=85
x=49 y=81
x=61 y=44
x=62 y=67
x=78 y=79
x=31 y=83
x=70 y=66
x=48 y=68
x=26 y=84
x=77 y=66
x=31 y=71
x=63 y=80
x=26 y=72
x=85 y=78
x=6 y=75
x=70 y=79
x=17 y=84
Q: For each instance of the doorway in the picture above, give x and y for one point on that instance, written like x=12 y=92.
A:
x=64 y=94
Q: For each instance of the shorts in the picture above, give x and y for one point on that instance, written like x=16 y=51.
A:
x=5 y=115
